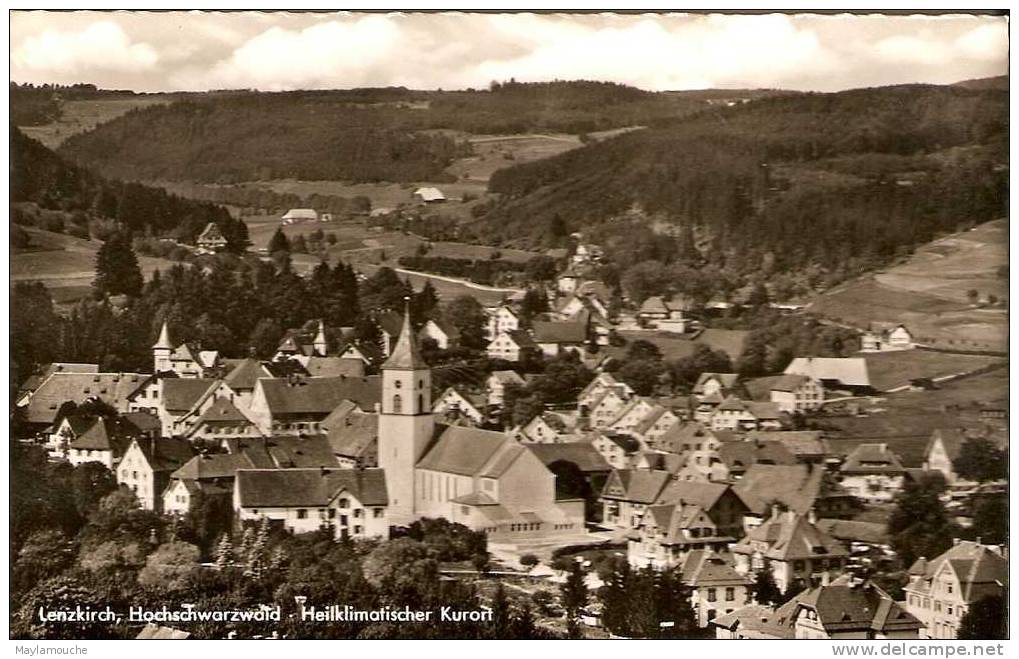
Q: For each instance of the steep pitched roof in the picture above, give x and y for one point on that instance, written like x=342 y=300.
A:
x=353 y=434
x=701 y=493
x=674 y=519
x=790 y=536
x=703 y=567
x=794 y=486
x=211 y=466
x=223 y=412
x=521 y=338
x=801 y=443
x=211 y=233
x=166 y=453
x=105 y=435
x=181 y=394
x=245 y=375
x=405 y=354
x=981 y=569
x=319 y=395
x=761 y=388
x=582 y=454
x=727 y=380
x=311 y=488
x=872 y=459
x=329 y=367
x=850 y=371
x=163 y=342
x=465 y=451
x=61 y=387
x=747 y=453
x=508 y=377
x=754 y=621
x=638 y=485
x=847 y=607
x=559 y=332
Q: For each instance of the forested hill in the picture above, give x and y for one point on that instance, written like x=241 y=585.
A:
x=390 y=134
x=845 y=180
x=40 y=176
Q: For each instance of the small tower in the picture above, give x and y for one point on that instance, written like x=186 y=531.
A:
x=161 y=351
x=406 y=422
x=320 y=344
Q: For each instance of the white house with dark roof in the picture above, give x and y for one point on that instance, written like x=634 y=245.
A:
x=295 y=215
x=510 y=346
x=352 y=502
x=211 y=239
x=147 y=465
x=497 y=383
x=834 y=373
x=792 y=393
x=873 y=473
x=457 y=407
x=429 y=195
x=500 y=319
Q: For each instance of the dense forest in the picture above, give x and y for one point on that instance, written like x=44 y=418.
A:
x=42 y=177
x=840 y=181
x=364 y=135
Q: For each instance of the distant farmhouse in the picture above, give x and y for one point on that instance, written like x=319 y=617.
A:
x=295 y=215
x=212 y=239
x=429 y=196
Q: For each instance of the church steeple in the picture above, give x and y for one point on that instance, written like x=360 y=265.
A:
x=405 y=355
x=320 y=344
x=163 y=342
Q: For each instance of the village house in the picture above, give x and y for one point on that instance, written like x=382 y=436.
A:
x=497 y=383
x=457 y=408
x=211 y=475
x=793 y=547
x=146 y=467
x=744 y=416
x=587 y=253
x=750 y=622
x=809 y=446
x=429 y=196
x=297 y=215
x=792 y=393
x=568 y=281
x=800 y=488
x=883 y=337
x=242 y=377
x=500 y=319
x=351 y=502
x=666 y=534
x=602 y=382
x=654 y=425
x=545 y=428
x=180 y=496
x=738 y=456
x=719 y=500
x=941 y=590
x=700 y=446
x=292 y=406
x=705 y=406
x=716 y=587
x=40 y=410
x=834 y=373
x=511 y=346
x=445 y=335
x=617 y=450
x=222 y=419
x=850 y=611
x=353 y=436
x=627 y=495
x=555 y=338
x=211 y=239
x=631 y=415
x=105 y=442
x=65 y=430
x=872 y=473
x=41 y=373
x=604 y=408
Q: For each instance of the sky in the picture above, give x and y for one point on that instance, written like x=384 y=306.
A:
x=276 y=51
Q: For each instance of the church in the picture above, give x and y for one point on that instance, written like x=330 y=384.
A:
x=482 y=479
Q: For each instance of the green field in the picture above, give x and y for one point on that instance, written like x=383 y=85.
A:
x=66 y=265
x=889 y=370
x=80 y=116
x=929 y=292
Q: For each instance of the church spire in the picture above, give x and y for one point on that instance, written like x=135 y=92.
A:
x=405 y=355
x=320 y=344
x=164 y=339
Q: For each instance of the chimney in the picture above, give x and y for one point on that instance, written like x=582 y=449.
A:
x=825 y=578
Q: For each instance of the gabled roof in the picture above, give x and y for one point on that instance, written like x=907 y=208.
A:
x=464 y=451
x=245 y=375
x=181 y=394
x=310 y=488
x=638 y=485
x=754 y=621
x=521 y=338
x=212 y=466
x=222 y=412
x=703 y=567
x=165 y=453
x=39 y=376
x=793 y=486
x=805 y=443
x=741 y=455
x=61 y=387
x=319 y=395
x=582 y=454
x=848 y=530
x=559 y=332
x=429 y=194
x=872 y=459
x=405 y=354
x=790 y=536
x=211 y=233
x=674 y=519
x=690 y=433
x=330 y=367
x=353 y=433
x=981 y=569
x=850 y=371
x=846 y=607
x=105 y=435
x=727 y=380
x=508 y=377
x=301 y=214
x=704 y=494
x=761 y=388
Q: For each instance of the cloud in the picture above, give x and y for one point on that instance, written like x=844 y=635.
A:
x=101 y=46
x=294 y=50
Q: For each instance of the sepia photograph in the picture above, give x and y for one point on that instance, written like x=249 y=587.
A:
x=509 y=325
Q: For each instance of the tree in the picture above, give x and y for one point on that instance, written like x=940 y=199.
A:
x=990 y=519
x=643 y=349
x=468 y=316
x=643 y=375
x=573 y=592
x=43 y=555
x=980 y=460
x=986 y=620
x=765 y=589
x=117 y=270
x=279 y=242
x=266 y=337
x=170 y=566
x=919 y=525
x=529 y=560
x=534 y=303
x=90 y=482
x=501 y=615
x=402 y=570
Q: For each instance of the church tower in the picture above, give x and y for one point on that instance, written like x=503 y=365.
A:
x=320 y=345
x=406 y=422
x=161 y=351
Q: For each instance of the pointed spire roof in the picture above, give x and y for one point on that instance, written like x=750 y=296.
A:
x=405 y=353
x=164 y=338
x=320 y=338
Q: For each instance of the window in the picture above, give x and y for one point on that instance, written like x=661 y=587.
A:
x=332 y=513
x=711 y=595
x=937 y=606
x=357 y=512
x=397 y=403
x=344 y=503
x=376 y=513
x=798 y=566
x=357 y=530
x=302 y=513
x=730 y=594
